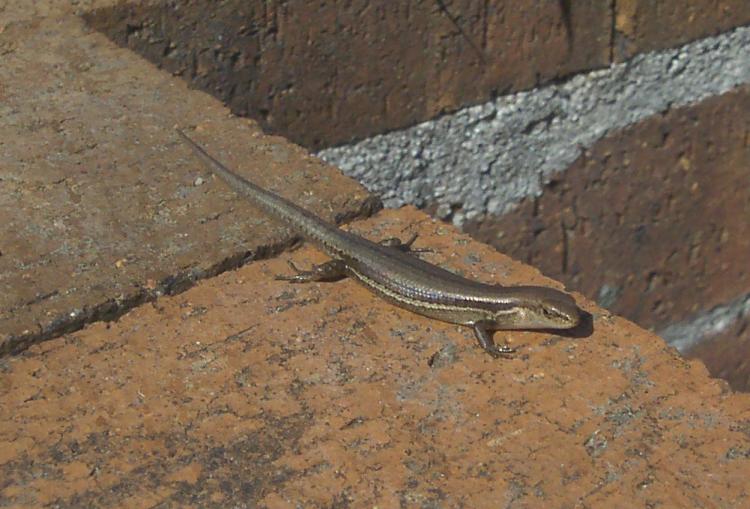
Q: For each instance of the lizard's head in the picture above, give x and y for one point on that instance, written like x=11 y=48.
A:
x=536 y=307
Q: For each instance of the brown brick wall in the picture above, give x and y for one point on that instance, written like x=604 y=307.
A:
x=652 y=221
x=646 y=25
x=325 y=73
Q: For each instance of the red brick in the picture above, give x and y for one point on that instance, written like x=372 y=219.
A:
x=647 y=25
x=324 y=73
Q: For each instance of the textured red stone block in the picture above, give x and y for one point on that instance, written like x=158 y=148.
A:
x=246 y=390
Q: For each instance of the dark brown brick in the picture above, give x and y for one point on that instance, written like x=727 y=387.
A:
x=645 y=25
x=324 y=73
x=652 y=221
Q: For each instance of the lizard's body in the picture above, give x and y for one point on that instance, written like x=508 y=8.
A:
x=406 y=280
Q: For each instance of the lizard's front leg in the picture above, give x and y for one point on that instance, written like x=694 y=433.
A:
x=332 y=270
x=396 y=243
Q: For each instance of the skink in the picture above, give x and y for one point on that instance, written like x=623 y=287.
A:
x=406 y=280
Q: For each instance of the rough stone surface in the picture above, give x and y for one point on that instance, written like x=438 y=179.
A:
x=102 y=207
x=326 y=72
x=245 y=391
x=652 y=222
x=485 y=159
x=645 y=25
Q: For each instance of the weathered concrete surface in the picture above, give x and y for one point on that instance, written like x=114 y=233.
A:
x=652 y=221
x=245 y=391
x=102 y=206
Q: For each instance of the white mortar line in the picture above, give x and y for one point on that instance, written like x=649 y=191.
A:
x=705 y=326
x=486 y=158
